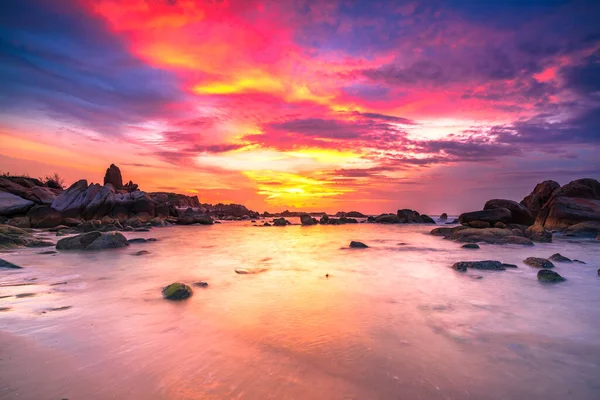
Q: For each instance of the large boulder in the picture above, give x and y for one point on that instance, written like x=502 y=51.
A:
x=491 y=215
x=44 y=217
x=11 y=204
x=71 y=202
x=387 y=219
x=584 y=229
x=539 y=196
x=93 y=241
x=307 y=220
x=113 y=176
x=545 y=275
x=463 y=234
x=520 y=214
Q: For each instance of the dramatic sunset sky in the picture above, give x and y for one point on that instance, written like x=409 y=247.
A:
x=329 y=105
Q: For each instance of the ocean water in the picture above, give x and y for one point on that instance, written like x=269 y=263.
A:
x=393 y=321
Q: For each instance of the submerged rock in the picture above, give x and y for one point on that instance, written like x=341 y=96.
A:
x=201 y=284
x=281 y=222
x=358 y=245
x=38 y=243
x=141 y=253
x=307 y=220
x=559 y=258
x=488 y=265
x=538 y=262
x=138 y=240
x=545 y=275
x=244 y=271
x=6 y=264
x=177 y=291
x=518 y=240
x=470 y=246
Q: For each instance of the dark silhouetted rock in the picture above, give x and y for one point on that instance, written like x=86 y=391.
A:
x=358 y=245
x=538 y=262
x=492 y=216
x=79 y=242
x=281 y=222
x=113 y=176
x=557 y=257
x=111 y=240
x=324 y=220
x=177 y=291
x=481 y=265
x=307 y=220
x=520 y=214
x=141 y=253
x=193 y=217
x=355 y=214
x=387 y=219
x=500 y=225
x=546 y=275
x=201 y=284
x=470 y=246
x=443 y=217
x=518 y=240
x=6 y=264
x=427 y=219
x=266 y=224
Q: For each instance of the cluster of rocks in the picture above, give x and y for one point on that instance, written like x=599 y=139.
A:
x=29 y=203
x=573 y=209
x=404 y=216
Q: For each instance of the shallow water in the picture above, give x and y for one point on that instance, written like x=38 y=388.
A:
x=391 y=322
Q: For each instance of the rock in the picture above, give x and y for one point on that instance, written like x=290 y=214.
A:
x=38 y=243
x=20 y=222
x=242 y=271
x=281 y=222
x=557 y=257
x=112 y=240
x=58 y=228
x=6 y=264
x=137 y=240
x=546 y=275
x=200 y=284
x=470 y=246
x=266 y=224
x=540 y=195
x=446 y=232
x=538 y=233
x=307 y=220
x=500 y=225
x=480 y=224
x=90 y=226
x=141 y=253
x=71 y=222
x=566 y=211
x=193 y=217
x=177 y=291
x=11 y=204
x=71 y=202
x=47 y=252
x=324 y=220
x=113 y=176
x=12 y=237
x=44 y=217
x=443 y=217
x=245 y=271
x=387 y=219
x=538 y=262
x=491 y=215
x=487 y=235
x=358 y=245
x=427 y=219
x=481 y=265
x=79 y=242
x=355 y=214
x=589 y=229
x=43 y=195
x=518 y=240
x=520 y=214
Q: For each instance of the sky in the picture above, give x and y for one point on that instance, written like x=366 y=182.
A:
x=327 y=105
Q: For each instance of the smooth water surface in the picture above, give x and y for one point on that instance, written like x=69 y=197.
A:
x=390 y=322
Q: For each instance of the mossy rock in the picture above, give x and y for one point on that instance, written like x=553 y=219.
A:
x=177 y=291
x=538 y=262
x=545 y=275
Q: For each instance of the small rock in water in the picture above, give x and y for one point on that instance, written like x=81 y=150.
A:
x=266 y=224
x=39 y=243
x=21 y=295
x=358 y=245
x=241 y=271
x=470 y=246
x=326 y=275
x=201 y=284
x=546 y=275
x=475 y=276
x=141 y=253
x=48 y=252
x=6 y=264
x=137 y=240
x=483 y=265
x=244 y=271
x=578 y=261
x=538 y=262
x=559 y=258
x=177 y=291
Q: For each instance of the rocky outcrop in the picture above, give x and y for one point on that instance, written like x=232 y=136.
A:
x=358 y=245
x=490 y=216
x=307 y=220
x=539 y=196
x=28 y=189
x=572 y=204
x=350 y=214
x=11 y=204
x=281 y=222
x=545 y=275
x=113 y=176
x=387 y=219
x=519 y=213
x=177 y=291
x=189 y=217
